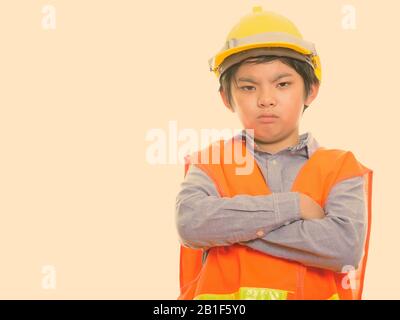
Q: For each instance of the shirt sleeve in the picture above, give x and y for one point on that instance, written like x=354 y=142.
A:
x=204 y=219
x=332 y=242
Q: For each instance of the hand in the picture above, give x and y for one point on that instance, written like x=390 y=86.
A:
x=309 y=209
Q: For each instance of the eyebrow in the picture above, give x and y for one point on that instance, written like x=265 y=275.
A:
x=282 y=75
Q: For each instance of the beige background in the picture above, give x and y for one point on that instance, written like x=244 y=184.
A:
x=77 y=102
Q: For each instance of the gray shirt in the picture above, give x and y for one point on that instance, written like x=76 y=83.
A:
x=272 y=223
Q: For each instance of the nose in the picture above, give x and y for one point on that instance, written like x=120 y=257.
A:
x=266 y=99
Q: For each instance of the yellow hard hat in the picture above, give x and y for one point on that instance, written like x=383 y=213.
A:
x=264 y=33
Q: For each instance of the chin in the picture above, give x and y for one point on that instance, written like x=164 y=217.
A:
x=266 y=135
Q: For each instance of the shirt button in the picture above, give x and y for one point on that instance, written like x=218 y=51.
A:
x=274 y=162
x=260 y=233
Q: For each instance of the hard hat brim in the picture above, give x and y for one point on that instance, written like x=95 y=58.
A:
x=262 y=51
x=296 y=48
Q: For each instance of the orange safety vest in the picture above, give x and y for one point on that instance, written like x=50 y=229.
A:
x=240 y=272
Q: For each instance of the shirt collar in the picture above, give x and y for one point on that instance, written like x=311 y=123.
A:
x=306 y=146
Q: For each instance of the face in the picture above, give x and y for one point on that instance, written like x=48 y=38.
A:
x=269 y=88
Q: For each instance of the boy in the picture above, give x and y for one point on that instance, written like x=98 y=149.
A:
x=295 y=227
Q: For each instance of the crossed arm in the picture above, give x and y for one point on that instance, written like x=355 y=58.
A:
x=272 y=224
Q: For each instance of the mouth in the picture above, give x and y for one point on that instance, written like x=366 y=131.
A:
x=267 y=115
x=267 y=118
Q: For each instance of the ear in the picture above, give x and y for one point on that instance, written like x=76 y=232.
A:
x=225 y=100
x=313 y=94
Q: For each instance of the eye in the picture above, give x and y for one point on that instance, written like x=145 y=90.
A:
x=247 y=88
x=284 y=84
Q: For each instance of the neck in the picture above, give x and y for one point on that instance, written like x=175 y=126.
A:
x=275 y=146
